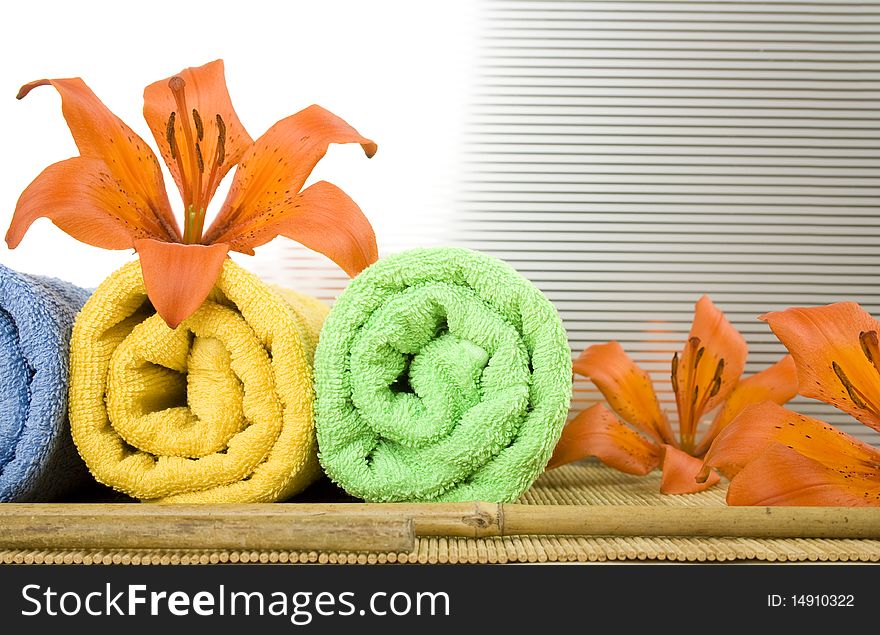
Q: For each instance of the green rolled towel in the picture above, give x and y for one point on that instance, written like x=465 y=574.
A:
x=441 y=375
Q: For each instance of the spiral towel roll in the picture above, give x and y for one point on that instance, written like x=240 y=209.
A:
x=37 y=459
x=441 y=375
x=216 y=410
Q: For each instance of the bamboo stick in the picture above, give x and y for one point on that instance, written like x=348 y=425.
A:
x=630 y=520
x=233 y=527
x=393 y=526
x=478 y=519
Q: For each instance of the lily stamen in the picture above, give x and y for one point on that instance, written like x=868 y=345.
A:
x=713 y=389
x=699 y=356
x=197 y=120
x=694 y=352
x=171 y=136
x=716 y=379
x=688 y=432
x=856 y=396
x=871 y=348
x=178 y=89
x=221 y=140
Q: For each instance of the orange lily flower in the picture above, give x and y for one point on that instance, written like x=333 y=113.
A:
x=777 y=457
x=705 y=376
x=113 y=195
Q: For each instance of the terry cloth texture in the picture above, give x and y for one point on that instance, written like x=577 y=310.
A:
x=217 y=410
x=441 y=375
x=37 y=459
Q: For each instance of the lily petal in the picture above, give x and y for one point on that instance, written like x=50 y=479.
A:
x=114 y=157
x=81 y=197
x=680 y=470
x=597 y=432
x=778 y=384
x=179 y=277
x=274 y=170
x=759 y=426
x=783 y=476
x=325 y=219
x=721 y=341
x=626 y=387
x=831 y=363
x=206 y=92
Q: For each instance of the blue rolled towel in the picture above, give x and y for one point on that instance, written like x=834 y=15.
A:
x=38 y=461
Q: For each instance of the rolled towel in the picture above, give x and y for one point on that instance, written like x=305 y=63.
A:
x=216 y=410
x=441 y=375
x=38 y=461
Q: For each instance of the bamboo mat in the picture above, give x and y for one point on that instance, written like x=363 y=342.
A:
x=583 y=484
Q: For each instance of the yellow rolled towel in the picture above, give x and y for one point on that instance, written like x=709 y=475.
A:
x=217 y=410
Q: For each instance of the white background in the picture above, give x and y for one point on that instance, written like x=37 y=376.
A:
x=398 y=71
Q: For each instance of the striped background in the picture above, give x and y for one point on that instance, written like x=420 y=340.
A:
x=629 y=156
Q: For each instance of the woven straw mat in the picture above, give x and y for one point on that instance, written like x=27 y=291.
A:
x=586 y=483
